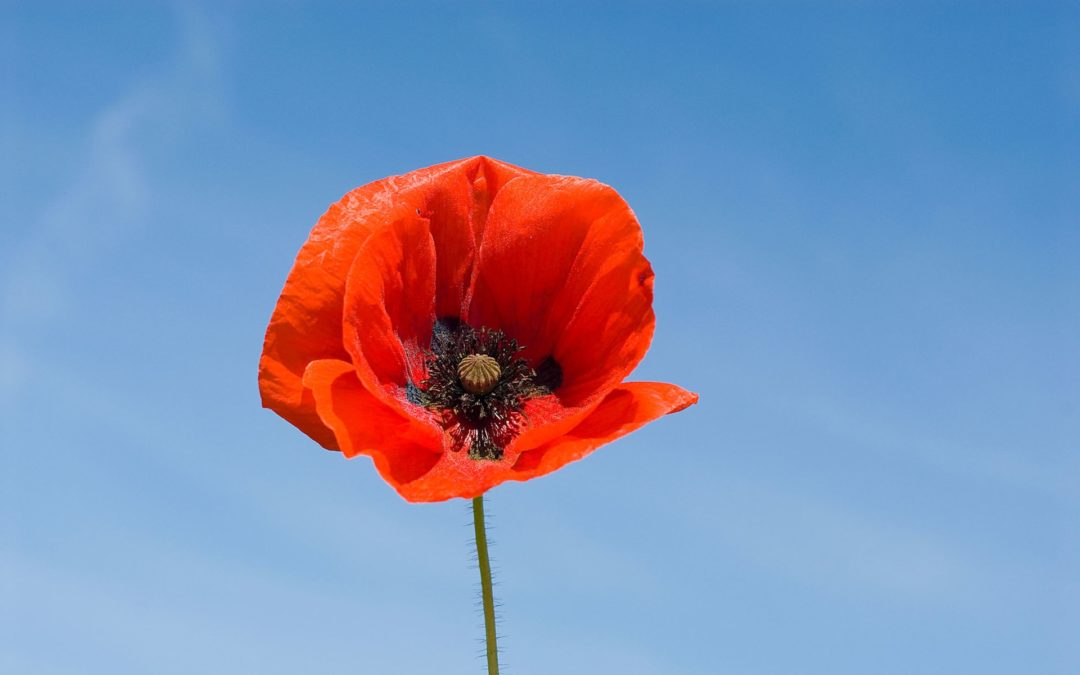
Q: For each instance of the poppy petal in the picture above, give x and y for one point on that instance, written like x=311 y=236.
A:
x=403 y=449
x=456 y=475
x=455 y=203
x=561 y=270
x=307 y=322
x=390 y=309
x=627 y=407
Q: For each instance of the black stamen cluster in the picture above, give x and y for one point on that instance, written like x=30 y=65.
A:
x=485 y=423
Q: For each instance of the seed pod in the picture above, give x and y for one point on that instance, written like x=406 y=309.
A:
x=478 y=373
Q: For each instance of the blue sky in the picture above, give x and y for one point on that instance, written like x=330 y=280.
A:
x=864 y=223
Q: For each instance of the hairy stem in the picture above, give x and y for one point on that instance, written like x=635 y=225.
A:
x=485 y=585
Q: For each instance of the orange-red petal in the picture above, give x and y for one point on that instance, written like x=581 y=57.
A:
x=390 y=308
x=626 y=408
x=408 y=455
x=307 y=322
x=403 y=449
x=562 y=271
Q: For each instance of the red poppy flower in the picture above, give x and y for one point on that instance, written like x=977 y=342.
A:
x=467 y=324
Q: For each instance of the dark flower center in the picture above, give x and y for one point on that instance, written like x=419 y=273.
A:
x=478 y=384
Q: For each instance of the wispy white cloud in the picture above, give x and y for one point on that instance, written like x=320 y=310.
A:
x=111 y=191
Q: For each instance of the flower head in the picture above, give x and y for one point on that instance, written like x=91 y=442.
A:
x=467 y=324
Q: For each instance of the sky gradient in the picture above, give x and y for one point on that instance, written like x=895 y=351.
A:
x=865 y=226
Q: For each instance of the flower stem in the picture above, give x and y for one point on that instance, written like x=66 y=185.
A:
x=485 y=585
